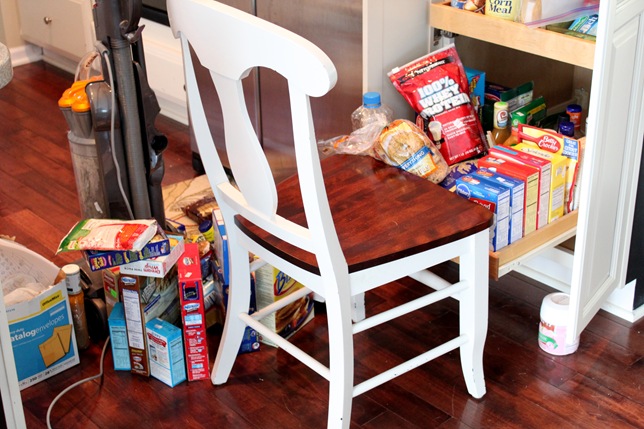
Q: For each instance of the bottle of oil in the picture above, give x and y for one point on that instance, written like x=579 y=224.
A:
x=77 y=305
x=501 y=130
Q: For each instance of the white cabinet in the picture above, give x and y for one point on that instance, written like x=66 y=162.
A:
x=615 y=134
x=63 y=26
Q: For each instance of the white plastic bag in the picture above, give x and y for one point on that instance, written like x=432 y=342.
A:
x=539 y=13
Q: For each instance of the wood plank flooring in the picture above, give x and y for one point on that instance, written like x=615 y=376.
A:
x=599 y=386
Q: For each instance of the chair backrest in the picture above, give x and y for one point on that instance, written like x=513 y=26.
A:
x=230 y=43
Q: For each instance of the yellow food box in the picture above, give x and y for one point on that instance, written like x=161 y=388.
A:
x=557 y=177
x=555 y=143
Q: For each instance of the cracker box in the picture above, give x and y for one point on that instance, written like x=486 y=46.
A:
x=193 y=314
x=517 y=199
x=494 y=198
x=165 y=349
x=41 y=329
x=135 y=325
x=272 y=285
x=554 y=144
x=530 y=178
x=118 y=338
x=98 y=259
x=160 y=266
x=545 y=178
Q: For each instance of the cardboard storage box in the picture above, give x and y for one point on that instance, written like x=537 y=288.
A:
x=41 y=329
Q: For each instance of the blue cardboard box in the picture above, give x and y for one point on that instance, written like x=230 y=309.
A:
x=494 y=198
x=517 y=199
x=165 y=351
x=118 y=338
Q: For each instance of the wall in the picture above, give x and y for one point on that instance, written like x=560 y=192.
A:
x=10 y=24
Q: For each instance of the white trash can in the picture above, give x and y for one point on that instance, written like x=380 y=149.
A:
x=552 y=328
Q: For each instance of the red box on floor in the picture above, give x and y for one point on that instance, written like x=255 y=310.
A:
x=192 y=313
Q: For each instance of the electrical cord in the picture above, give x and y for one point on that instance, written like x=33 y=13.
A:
x=105 y=53
x=78 y=383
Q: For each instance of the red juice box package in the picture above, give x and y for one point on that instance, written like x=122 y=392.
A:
x=192 y=313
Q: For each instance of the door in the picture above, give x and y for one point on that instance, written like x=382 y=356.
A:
x=611 y=164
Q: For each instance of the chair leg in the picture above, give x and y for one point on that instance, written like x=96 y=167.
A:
x=339 y=310
x=474 y=312
x=234 y=327
x=358 y=312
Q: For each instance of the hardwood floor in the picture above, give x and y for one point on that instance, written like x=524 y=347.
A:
x=599 y=386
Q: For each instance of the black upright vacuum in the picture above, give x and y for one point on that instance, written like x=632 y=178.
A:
x=124 y=109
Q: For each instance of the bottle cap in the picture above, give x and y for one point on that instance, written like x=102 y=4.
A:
x=371 y=99
x=567 y=128
x=573 y=108
x=72 y=278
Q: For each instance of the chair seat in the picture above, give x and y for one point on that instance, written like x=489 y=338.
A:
x=373 y=216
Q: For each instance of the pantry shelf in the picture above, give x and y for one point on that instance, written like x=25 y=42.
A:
x=503 y=261
x=548 y=44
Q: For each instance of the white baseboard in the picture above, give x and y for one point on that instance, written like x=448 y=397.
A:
x=25 y=54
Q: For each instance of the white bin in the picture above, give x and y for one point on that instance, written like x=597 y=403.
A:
x=552 y=328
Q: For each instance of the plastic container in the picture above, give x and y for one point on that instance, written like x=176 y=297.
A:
x=552 y=328
x=567 y=128
x=574 y=111
x=371 y=111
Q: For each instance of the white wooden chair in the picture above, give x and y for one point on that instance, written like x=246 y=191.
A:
x=341 y=227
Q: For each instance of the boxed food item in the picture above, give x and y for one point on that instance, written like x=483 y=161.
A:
x=517 y=199
x=272 y=285
x=111 y=287
x=221 y=245
x=494 y=198
x=118 y=338
x=476 y=80
x=135 y=325
x=557 y=178
x=193 y=316
x=101 y=259
x=41 y=328
x=552 y=144
x=159 y=266
x=165 y=349
x=529 y=176
x=545 y=180
x=109 y=234
x=516 y=98
x=532 y=113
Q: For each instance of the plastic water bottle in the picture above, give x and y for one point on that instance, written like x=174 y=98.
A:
x=371 y=111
